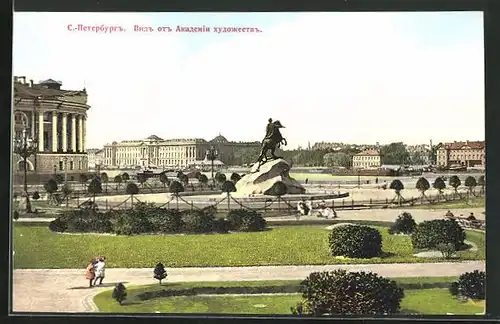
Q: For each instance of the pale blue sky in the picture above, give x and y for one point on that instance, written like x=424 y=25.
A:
x=327 y=76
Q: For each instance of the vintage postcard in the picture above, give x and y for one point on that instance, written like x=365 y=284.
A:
x=308 y=164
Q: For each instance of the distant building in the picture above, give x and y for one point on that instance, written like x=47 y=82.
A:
x=366 y=159
x=95 y=157
x=56 y=120
x=468 y=154
x=422 y=151
x=155 y=152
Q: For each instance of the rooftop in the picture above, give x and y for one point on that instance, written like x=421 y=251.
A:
x=46 y=89
x=370 y=152
x=475 y=145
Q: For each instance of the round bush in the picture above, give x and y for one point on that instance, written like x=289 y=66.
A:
x=221 y=225
x=198 y=222
x=471 y=285
x=404 y=224
x=348 y=293
x=166 y=220
x=246 y=220
x=429 y=234
x=355 y=241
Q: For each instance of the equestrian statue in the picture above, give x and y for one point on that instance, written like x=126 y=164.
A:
x=271 y=141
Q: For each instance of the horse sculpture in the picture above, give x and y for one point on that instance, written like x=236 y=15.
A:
x=273 y=140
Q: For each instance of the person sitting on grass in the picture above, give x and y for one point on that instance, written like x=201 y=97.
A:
x=449 y=214
x=99 y=270
x=90 y=272
x=471 y=217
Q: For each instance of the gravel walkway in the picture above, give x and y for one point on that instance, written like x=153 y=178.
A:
x=65 y=290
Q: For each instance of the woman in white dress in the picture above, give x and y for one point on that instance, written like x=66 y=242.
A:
x=100 y=270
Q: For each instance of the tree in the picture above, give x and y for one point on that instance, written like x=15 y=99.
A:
x=59 y=178
x=36 y=195
x=159 y=272
x=394 y=153
x=422 y=186
x=439 y=185
x=455 y=183
x=132 y=190
x=278 y=189
x=51 y=187
x=125 y=176
x=118 y=180
x=105 y=180
x=336 y=159
x=481 y=182
x=220 y=177
x=203 y=180
x=471 y=183
x=228 y=187
x=184 y=179
x=164 y=179
x=179 y=175
x=83 y=178
x=141 y=178
x=119 y=293
x=175 y=188
x=235 y=177
x=94 y=188
x=397 y=186
x=417 y=158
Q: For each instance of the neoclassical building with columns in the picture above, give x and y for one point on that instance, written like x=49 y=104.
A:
x=56 y=120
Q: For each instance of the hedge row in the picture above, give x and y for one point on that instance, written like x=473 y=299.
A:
x=146 y=218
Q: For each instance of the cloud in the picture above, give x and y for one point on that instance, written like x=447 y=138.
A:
x=341 y=77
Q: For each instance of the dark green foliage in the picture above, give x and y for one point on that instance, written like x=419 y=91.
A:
x=220 y=177
x=95 y=186
x=404 y=224
x=439 y=184
x=396 y=185
x=278 y=189
x=59 y=178
x=455 y=182
x=133 y=221
x=179 y=175
x=165 y=220
x=429 y=234
x=348 y=293
x=422 y=185
x=235 y=177
x=198 y=221
x=221 y=225
x=119 y=293
x=159 y=272
x=132 y=189
x=355 y=241
x=125 y=176
x=36 y=195
x=51 y=186
x=246 y=220
x=470 y=182
x=453 y=288
x=203 y=179
x=228 y=187
x=471 y=285
x=118 y=179
x=481 y=181
x=141 y=178
x=15 y=215
x=104 y=177
x=59 y=224
x=176 y=187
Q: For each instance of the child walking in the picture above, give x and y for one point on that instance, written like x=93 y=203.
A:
x=99 y=270
x=90 y=272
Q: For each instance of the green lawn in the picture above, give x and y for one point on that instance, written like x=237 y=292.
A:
x=421 y=301
x=38 y=247
x=476 y=202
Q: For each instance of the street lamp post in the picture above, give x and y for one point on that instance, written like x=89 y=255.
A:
x=24 y=146
x=212 y=154
x=65 y=170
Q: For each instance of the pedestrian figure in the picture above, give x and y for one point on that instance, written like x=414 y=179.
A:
x=99 y=270
x=307 y=180
x=90 y=272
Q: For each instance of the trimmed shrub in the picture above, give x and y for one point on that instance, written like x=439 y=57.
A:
x=198 y=221
x=429 y=234
x=446 y=249
x=165 y=220
x=36 y=195
x=159 y=272
x=133 y=221
x=119 y=293
x=58 y=225
x=355 y=241
x=470 y=285
x=246 y=220
x=404 y=224
x=221 y=225
x=348 y=293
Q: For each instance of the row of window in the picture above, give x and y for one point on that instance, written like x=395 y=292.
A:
x=70 y=165
x=367 y=158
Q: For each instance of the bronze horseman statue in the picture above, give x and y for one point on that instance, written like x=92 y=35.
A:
x=271 y=141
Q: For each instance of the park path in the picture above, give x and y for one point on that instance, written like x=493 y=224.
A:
x=385 y=215
x=65 y=290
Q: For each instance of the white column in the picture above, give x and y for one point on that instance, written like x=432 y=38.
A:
x=54 y=132
x=84 y=127
x=80 y=134
x=73 y=132
x=64 y=132
x=40 y=131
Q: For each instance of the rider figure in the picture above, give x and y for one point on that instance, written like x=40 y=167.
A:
x=269 y=129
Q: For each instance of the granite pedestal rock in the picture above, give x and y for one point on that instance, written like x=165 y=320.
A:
x=260 y=182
